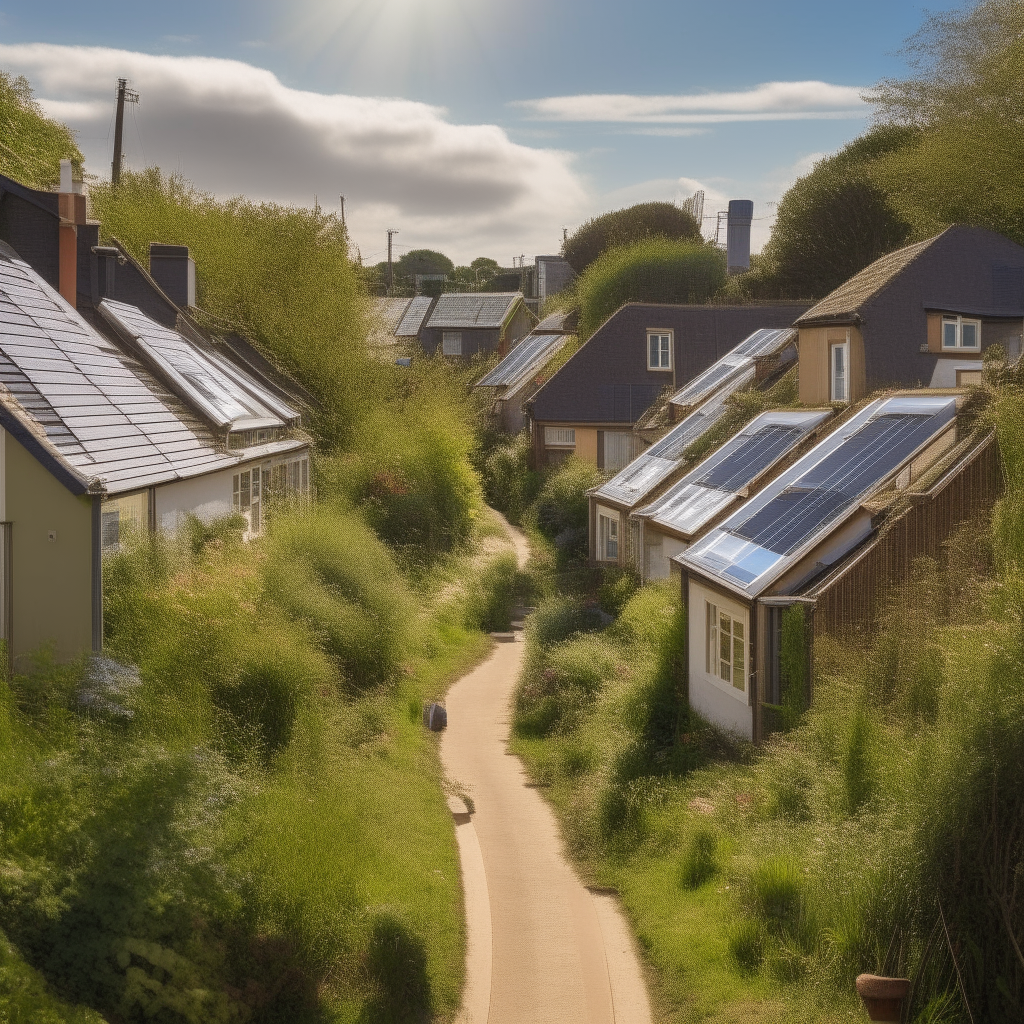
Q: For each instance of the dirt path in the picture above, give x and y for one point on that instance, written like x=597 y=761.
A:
x=541 y=946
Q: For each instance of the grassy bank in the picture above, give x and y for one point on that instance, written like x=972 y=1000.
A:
x=881 y=833
x=253 y=826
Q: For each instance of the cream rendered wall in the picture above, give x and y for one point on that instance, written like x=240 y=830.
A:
x=51 y=579
x=586 y=444
x=716 y=700
x=659 y=549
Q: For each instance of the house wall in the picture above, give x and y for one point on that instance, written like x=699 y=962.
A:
x=993 y=332
x=607 y=382
x=720 y=702
x=815 y=367
x=474 y=339
x=659 y=550
x=51 y=579
x=963 y=271
x=209 y=496
x=517 y=328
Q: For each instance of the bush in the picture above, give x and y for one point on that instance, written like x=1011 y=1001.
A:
x=562 y=508
x=746 y=944
x=492 y=596
x=625 y=227
x=654 y=270
x=617 y=587
x=509 y=483
x=700 y=862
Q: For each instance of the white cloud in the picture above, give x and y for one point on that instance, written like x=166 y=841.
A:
x=234 y=128
x=771 y=101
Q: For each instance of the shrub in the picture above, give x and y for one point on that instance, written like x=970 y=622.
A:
x=509 y=483
x=746 y=944
x=563 y=509
x=617 y=587
x=776 y=893
x=856 y=764
x=492 y=595
x=327 y=569
x=625 y=227
x=653 y=270
x=700 y=862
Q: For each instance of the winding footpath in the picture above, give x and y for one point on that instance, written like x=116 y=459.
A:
x=541 y=947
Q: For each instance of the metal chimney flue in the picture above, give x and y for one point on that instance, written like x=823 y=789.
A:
x=741 y=213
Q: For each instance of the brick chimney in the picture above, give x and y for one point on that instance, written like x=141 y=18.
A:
x=71 y=206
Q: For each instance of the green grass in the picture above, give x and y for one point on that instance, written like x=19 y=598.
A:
x=258 y=831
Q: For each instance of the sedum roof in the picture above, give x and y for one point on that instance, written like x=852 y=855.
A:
x=845 y=302
x=473 y=309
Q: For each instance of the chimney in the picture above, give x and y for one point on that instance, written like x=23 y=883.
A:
x=737 y=238
x=71 y=207
x=172 y=269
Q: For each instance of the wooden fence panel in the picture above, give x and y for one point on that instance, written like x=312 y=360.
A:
x=848 y=602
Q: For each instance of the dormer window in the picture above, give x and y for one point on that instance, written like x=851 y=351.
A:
x=959 y=334
x=659 y=350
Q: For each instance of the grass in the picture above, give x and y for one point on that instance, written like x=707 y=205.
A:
x=254 y=826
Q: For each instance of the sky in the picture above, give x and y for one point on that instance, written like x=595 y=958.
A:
x=470 y=126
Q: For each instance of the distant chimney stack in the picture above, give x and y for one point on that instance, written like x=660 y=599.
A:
x=737 y=239
x=172 y=269
x=71 y=210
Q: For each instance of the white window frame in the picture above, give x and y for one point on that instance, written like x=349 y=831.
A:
x=660 y=360
x=559 y=437
x=451 y=343
x=844 y=347
x=608 y=534
x=958 y=323
x=726 y=647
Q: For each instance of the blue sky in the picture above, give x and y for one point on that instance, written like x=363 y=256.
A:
x=474 y=164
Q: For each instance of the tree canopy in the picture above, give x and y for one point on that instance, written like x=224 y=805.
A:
x=423 y=261
x=651 y=270
x=624 y=227
x=31 y=144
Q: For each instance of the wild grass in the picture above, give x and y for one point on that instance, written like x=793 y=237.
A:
x=253 y=828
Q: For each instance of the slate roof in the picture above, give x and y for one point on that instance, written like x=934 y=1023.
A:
x=845 y=302
x=553 y=323
x=101 y=411
x=413 y=317
x=473 y=309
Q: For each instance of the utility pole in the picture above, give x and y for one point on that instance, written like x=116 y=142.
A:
x=124 y=95
x=522 y=273
x=391 y=269
x=565 y=235
x=342 y=210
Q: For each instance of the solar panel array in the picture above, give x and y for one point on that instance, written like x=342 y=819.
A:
x=527 y=357
x=473 y=309
x=713 y=485
x=219 y=393
x=735 y=362
x=806 y=503
x=412 y=319
x=102 y=411
x=652 y=467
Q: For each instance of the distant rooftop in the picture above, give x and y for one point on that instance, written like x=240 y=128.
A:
x=524 y=360
x=412 y=320
x=473 y=309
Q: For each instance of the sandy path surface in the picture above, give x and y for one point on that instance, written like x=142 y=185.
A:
x=541 y=947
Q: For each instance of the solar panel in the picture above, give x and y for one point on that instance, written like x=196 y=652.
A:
x=765 y=341
x=530 y=353
x=869 y=455
x=760 y=540
x=412 y=320
x=218 y=394
x=750 y=457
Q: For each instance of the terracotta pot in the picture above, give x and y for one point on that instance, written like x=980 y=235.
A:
x=883 y=997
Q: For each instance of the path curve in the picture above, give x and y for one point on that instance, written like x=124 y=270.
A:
x=541 y=947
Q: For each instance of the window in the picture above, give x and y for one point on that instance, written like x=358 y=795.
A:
x=659 y=351
x=958 y=333
x=451 y=343
x=240 y=493
x=607 y=536
x=619 y=449
x=839 y=356
x=110 y=527
x=725 y=647
x=560 y=437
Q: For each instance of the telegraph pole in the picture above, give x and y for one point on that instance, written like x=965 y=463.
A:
x=391 y=269
x=342 y=210
x=124 y=95
x=522 y=273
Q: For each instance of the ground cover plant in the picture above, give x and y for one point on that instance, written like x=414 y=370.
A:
x=880 y=832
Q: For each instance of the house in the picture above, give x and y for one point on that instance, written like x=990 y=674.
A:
x=920 y=316
x=738 y=579
x=755 y=361
x=517 y=377
x=386 y=315
x=708 y=492
x=591 y=405
x=468 y=323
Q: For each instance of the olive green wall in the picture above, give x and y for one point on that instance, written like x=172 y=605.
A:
x=51 y=584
